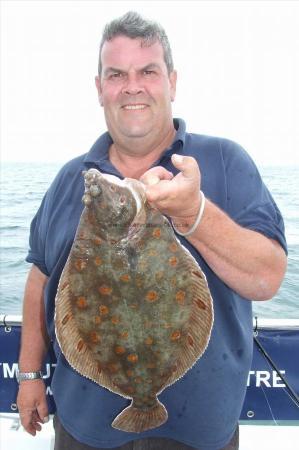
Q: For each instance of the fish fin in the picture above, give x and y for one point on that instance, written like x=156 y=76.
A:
x=200 y=323
x=68 y=337
x=136 y=420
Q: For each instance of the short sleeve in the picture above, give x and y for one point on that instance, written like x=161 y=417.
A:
x=37 y=238
x=249 y=201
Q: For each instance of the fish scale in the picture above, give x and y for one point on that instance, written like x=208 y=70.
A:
x=133 y=310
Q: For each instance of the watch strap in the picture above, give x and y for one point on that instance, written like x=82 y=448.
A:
x=22 y=376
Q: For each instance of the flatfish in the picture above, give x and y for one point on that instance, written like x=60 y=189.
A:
x=133 y=310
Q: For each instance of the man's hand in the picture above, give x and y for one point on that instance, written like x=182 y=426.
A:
x=247 y=261
x=32 y=405
x=177 y=197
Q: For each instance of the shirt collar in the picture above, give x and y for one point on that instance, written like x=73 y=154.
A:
x=99 y=152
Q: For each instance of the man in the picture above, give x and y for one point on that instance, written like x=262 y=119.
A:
x=237 y=236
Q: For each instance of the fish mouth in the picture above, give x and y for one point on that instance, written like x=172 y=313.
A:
x=92 y=187
x=123 y=183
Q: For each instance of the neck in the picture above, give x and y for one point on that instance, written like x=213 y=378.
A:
x=135 y=159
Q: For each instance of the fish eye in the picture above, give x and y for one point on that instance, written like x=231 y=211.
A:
x=122 y=200
x=112 y=188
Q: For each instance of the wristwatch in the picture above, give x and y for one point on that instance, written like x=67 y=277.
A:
x=22 y=376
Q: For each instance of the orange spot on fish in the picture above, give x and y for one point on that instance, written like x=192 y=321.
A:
x=98 y=261
x=151 y=296
x=173 y=247
x=80 y=264
x=115 y=320
x=81 y=235
x=105 y=290
x=125 y=278
x=156 y=233
x=65 y=319
x=175 y=335
x=113 y=368
x=119 y=350
x=173 y=261
x=180 y=297
x=124 y=335
x=97 y=320
x=80 y=345
x=200 y=304
x=104 y=310
x=94 y=337
x=97 y=241
x=130 y=372
x=132 y=357
x=128 y=389
x=149 y=340
x=81 y=302
x=153 y=252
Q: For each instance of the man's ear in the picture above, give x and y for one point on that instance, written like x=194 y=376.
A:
x=172 y=80
x=99 y=89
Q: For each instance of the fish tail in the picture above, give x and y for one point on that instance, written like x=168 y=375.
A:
x=136 y=420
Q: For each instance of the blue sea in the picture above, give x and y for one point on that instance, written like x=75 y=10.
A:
x=24 y=184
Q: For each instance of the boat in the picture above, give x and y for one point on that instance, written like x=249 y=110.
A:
x=269 y=419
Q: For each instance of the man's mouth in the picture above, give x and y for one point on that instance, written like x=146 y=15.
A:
x=134 y=107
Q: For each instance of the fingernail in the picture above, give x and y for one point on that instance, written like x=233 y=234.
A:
x=153 y=180
x=178 y=158
x=46 y=419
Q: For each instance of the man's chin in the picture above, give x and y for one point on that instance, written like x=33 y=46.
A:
x=135 y=132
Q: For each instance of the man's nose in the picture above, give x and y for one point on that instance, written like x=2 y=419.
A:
x=133 y=85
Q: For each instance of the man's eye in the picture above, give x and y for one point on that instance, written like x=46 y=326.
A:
x=149 y=72
x=116 y=75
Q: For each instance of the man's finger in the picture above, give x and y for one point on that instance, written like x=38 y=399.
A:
x=186 y=164
x=155 y=174
x=27 y=420
x=161 y=191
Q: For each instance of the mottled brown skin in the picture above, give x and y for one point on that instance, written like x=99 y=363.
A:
x=131 y=295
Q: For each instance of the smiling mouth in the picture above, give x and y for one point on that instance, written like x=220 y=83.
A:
x=134 y=107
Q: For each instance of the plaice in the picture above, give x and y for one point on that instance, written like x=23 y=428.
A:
x=133 y=310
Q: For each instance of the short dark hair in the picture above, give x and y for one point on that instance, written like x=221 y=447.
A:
x=134 y=26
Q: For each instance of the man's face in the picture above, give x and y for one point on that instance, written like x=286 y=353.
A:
x=135 y=89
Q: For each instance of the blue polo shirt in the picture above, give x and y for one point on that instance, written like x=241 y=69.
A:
x=203 y=406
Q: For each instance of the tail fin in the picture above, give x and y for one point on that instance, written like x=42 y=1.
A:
x=136 y=420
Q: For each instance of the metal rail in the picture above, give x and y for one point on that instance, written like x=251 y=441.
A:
x=257 y=324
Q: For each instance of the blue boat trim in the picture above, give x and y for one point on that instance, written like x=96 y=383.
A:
x=267 y=400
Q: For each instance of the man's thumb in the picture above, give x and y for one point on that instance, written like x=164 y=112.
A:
x=186 y=164
x=43 y=412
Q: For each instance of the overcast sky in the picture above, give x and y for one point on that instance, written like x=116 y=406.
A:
x=237 y=63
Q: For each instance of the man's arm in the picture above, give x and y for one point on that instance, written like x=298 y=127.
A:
x=31 y=399
x=247 y=261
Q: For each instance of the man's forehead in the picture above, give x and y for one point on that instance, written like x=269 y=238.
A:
x=123 y=51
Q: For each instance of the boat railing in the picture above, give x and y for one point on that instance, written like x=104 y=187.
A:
x=272 y=386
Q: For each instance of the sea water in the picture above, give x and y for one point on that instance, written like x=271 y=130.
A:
x=23 y=186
